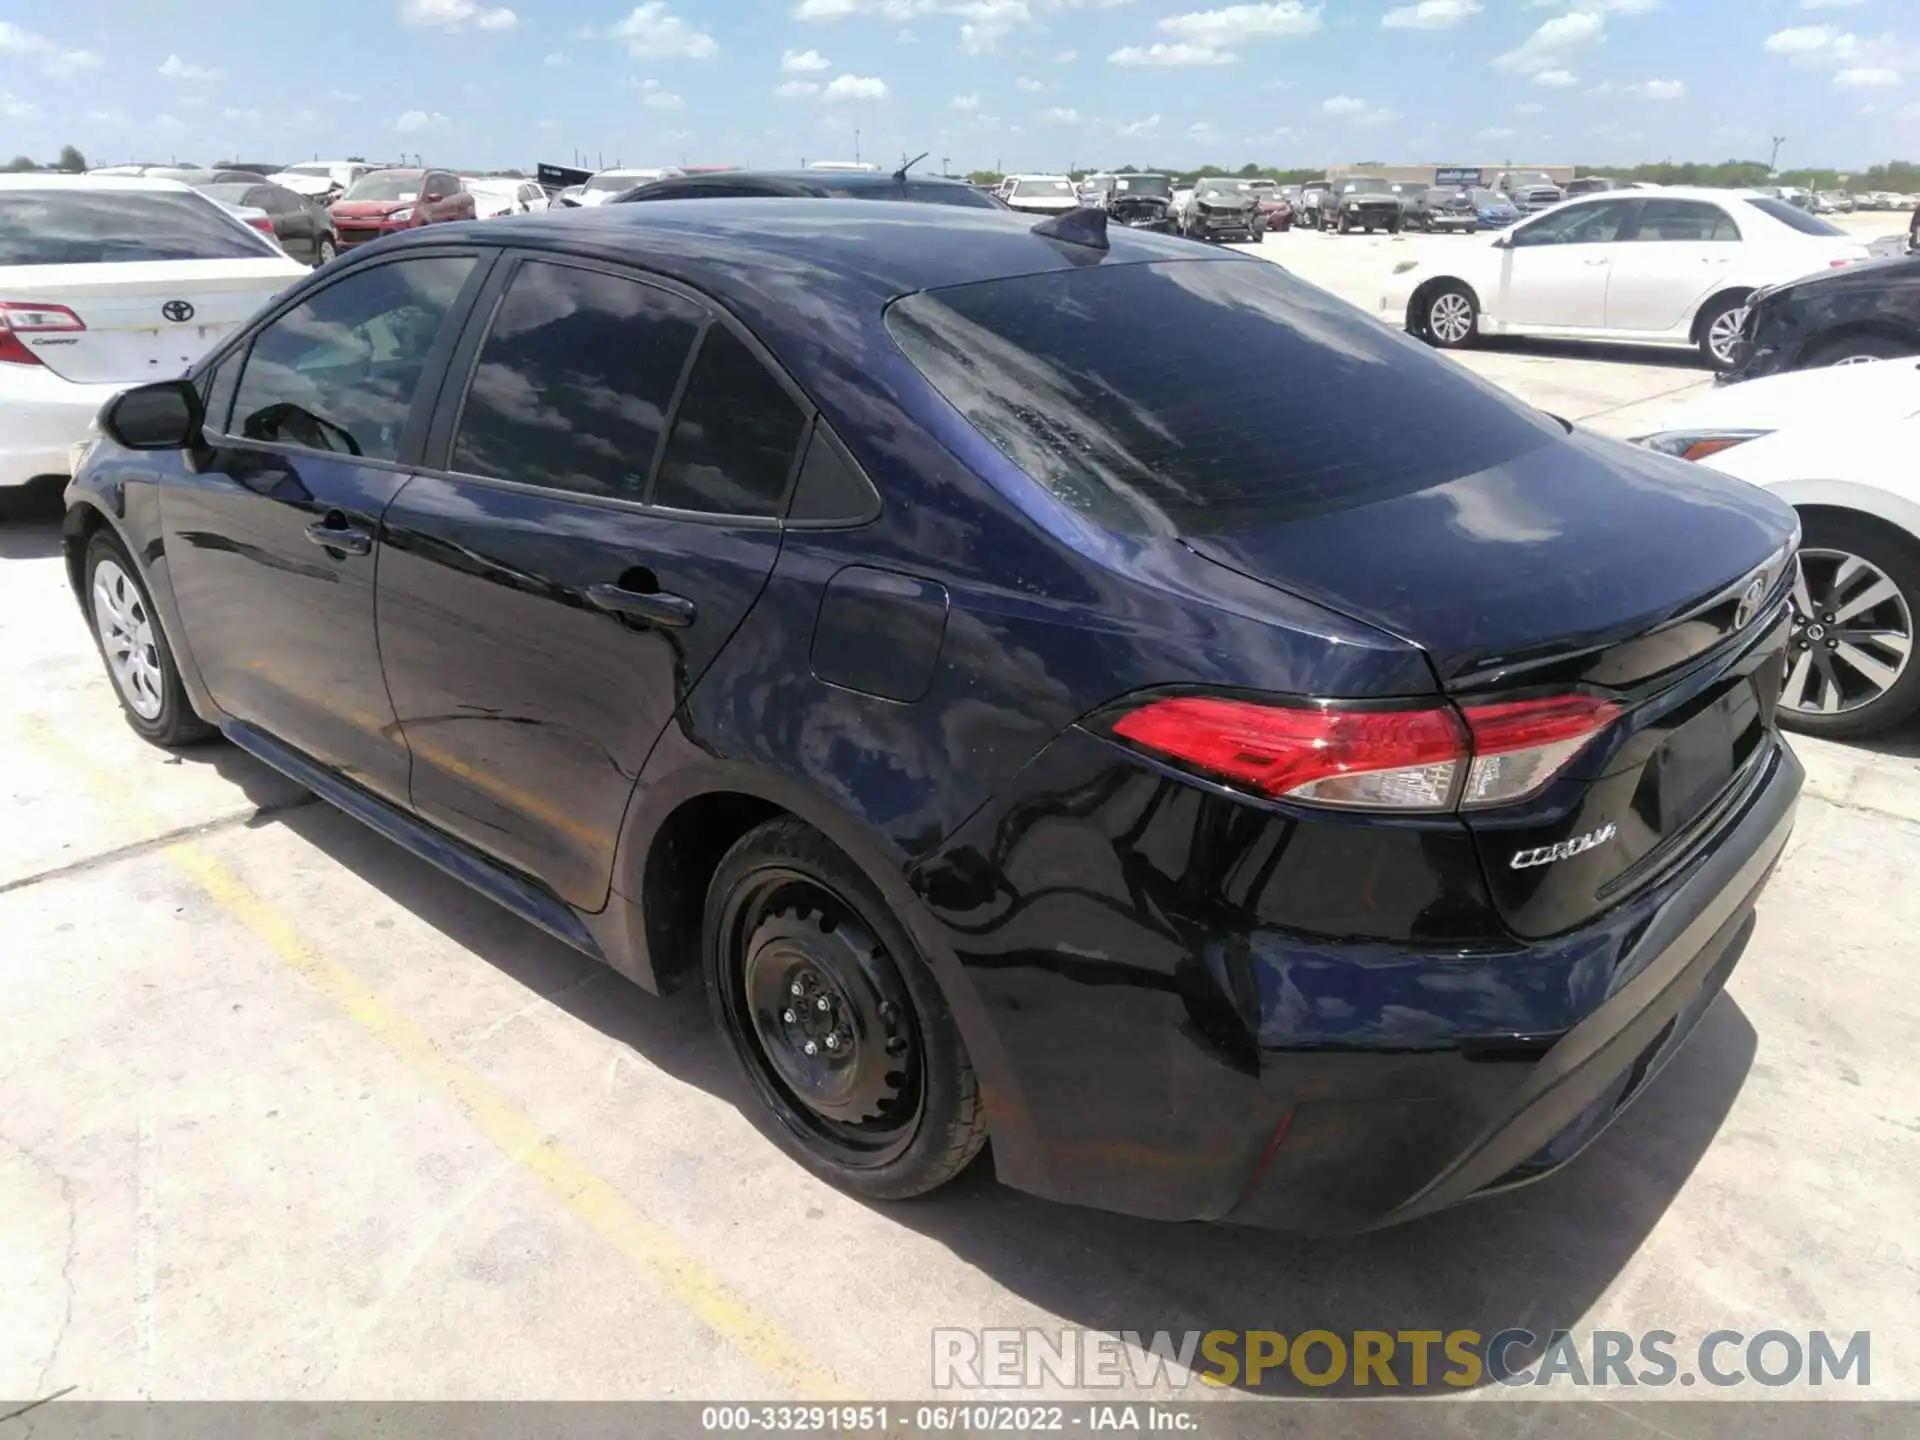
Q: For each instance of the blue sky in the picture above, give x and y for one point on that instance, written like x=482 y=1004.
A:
x=1033 y=84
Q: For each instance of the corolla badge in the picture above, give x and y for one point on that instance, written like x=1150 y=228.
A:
x=1565 y=850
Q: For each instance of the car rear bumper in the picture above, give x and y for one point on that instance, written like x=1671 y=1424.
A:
x=45 y=417
x=1156 y=1049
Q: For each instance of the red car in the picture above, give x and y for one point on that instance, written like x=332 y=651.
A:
x=1275 y=208
x=383 y=201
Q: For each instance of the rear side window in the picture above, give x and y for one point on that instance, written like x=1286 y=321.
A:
x=1794 y=216
x=108 y=227
x=1146 y=397
x=734 y=436
x=962 y=195
x=338 y=372
x=573 y=384
x=1684 y=222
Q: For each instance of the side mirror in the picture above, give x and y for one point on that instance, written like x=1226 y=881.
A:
x=1503 y=242
x=165 y=415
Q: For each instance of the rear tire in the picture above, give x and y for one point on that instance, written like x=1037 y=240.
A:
x=1858 y=349
x=1852 y=663
x=801 y=950
x=140 y=664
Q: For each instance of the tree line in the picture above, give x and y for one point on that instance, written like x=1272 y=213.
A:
x=1898 y=175
x=71 y=160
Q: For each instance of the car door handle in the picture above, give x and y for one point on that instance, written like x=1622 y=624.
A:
x=336 y=532
x=656 y=607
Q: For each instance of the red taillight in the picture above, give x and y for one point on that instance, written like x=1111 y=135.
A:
x=262 y=223
x=26 y=317
x=1420 y=760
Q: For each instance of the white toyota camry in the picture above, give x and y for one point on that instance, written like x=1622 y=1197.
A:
x=1666 y=267
x=1840 y=445
x=106 y=282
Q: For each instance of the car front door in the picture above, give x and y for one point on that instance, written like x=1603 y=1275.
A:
x=271 y=534
x=1553 y=271
x=1676 y=254
x=586 y=545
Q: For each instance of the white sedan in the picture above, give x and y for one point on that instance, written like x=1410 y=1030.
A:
x=493 y=196
x=1840 y=446
x=106 y=282
x=1667 y=267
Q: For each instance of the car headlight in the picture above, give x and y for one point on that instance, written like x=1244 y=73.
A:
x=1353 y=204
x=406 y=214
x=1697 y=444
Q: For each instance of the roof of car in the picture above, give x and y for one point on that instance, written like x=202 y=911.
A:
x=42 y=180
x=757 y=252
x=820 y=180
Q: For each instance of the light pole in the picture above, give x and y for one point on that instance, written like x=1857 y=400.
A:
x=856 y=144
x=1773 y=162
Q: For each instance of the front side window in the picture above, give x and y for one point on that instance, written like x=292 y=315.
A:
x=339 y=371
x=1596 y=224
x=572 y=387
x=1684 y=222
x=106 y=227
x=734 y=436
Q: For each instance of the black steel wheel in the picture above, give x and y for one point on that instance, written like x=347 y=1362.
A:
x=835 y=1019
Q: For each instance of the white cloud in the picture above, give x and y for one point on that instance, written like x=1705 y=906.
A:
x=654 y=32
x=1138 y=129
x=164 y=121
x=1356 y=111
x=1617 y=7
x=57 y=62
x=106 y=117
x=174 y=68
x=1829 y=4
x=1430 y=15
x=1066 y=57
x=855 y=87
x=343 y=97
x=826 y=9
x=243 y=116
x=1556 y=79
x=14 y=108
x=1202 y=131
x=1170 y=56
x=965 y=104
x=804 y=62
x=662 y=100
x=1658 y=90
x=412 y=122
x=987 y=21
x=1027 y=84
x=1866 y=77
x=1058 y=115
x=1496 y=132
x=1529 y=109
x=554 y=61
x=456 y=15
x=1803 y=40
x=548 y=125
x=796 y=90
x=1549 y=47
x=1236 y=24
x=66 y=62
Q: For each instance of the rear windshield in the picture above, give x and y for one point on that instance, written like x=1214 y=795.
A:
x=924 y=192
x=1793 y=215
x=1147 y=396
x=1142 y=185
x=1029 y=188
x=104 y=227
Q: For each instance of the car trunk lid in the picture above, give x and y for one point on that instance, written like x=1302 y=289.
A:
x=1580 y=565
x=142 y=321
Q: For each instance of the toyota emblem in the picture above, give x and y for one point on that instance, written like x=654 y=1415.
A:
x=1749 y=605
x=178 y=311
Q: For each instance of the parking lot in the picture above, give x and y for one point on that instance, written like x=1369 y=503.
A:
x=290 y=1114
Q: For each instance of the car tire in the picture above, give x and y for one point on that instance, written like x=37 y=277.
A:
x=140 y=663
x=324 y=251
x=1858 y=349
x=1450 y=316
x=800 y=949
x=1872 y=687
x=1720 y=319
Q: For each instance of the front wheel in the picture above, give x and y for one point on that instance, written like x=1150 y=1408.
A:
x=1719 y=330
x=139 y=662
x=324 y=251
x=858 y=1068
x=1451 y=317
x=1850 y=663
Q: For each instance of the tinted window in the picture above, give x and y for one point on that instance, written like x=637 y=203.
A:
x=219 y=387
x=1684 y=222
x=831 y=489
x=930 y=194
x=338 y=372
x=574 y=381
x=105 y=227
x=1796 y=217
x=1597 y=223
x=734 y=436
x=1147 y=396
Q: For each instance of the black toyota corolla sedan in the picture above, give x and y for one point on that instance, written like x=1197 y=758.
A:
x=897 y=619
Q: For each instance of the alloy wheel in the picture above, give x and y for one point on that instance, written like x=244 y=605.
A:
x=127 y=638
x=1852 y=634
x=1451 y=318
x=1724 y=332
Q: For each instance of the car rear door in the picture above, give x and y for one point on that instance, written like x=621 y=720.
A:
x=1674 y=255
x=1553 y=272
x=610 y=464
x=271 y=535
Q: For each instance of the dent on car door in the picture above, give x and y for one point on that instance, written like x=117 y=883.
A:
x=1554 y=271
x=551 y=593
x=271 y=533
x=1676 y=254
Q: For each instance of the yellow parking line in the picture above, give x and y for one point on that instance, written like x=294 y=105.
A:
x=651 y=1247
